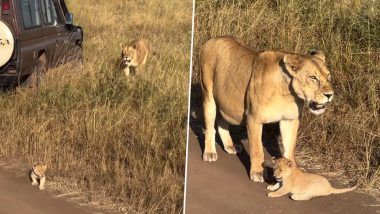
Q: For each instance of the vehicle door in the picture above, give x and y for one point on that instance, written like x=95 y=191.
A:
x=55 y=32
x=31 y=33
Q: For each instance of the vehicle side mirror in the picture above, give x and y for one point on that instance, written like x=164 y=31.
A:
x=69 y=19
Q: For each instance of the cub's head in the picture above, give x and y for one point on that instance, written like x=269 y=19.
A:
x=39 y=169
x=310 y=79
x=283 y=168
x=129 y=55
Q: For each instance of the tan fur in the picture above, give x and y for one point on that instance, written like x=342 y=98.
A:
x=134 y=56
x=38 y=173
x=254 y=88
x=301 y=185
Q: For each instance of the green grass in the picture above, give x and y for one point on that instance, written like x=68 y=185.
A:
x=113 y=139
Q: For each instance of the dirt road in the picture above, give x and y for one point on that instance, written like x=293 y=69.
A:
x=18 y=196
x=224 y=187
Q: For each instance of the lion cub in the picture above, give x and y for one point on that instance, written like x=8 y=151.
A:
x=300 y=184
x=134 y=56
x=38 y=173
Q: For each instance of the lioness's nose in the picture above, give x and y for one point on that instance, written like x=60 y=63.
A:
x=328 y=95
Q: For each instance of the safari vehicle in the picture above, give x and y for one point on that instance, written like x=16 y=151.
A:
x=35 y=35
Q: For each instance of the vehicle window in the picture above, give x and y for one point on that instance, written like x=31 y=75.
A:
x=60 y=18
x=30 y=13
x=49 y=12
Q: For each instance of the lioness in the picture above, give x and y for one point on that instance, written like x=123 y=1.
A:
x=300 y=184
x=254 y=87
x=134 y=56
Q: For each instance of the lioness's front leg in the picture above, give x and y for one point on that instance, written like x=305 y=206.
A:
x=224 y=133
x=289 y=129
x=255 y=128
x=126 y=71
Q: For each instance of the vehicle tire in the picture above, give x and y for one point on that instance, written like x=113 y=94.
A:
x=78 y=50
x=34 y=79
x=7 y=43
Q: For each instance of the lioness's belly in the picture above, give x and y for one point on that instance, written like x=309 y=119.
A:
x=230 y=89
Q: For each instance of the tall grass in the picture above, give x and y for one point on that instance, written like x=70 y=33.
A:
x=110 y=137
x=348 y=32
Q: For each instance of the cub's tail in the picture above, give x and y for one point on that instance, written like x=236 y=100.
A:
x=338 y=191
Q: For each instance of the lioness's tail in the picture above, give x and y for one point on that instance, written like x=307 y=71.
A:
x=338 y=191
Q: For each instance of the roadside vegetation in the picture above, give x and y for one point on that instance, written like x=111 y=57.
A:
x=115 y=140
x=343 y=142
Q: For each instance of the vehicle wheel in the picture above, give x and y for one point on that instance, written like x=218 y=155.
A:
x=34 y=79
x=78 y=50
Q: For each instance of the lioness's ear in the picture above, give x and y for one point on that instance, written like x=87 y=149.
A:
x=293 y=63
x=319 y=54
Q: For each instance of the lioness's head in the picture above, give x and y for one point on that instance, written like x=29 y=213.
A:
x=283 y=168
x=129 y=55
x=310 y=79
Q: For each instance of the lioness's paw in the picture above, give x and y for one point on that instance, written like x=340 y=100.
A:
x=35 y=183
x=41 y=187
x=257 y=176
x=230 y=150
x=210 y=157
x=234 y=149
x=270 y=194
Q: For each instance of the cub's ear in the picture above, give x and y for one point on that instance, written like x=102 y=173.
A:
x=275 y=160
x=319 y=54
x=293 y=63
x=291 y=164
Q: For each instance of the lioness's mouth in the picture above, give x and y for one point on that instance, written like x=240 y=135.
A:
x=315 y=106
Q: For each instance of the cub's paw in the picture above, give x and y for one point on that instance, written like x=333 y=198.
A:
x=210 y=157
x=41 y=187
x=257 y=176
x=35 y=183
x=270 y=195
x=273 y=187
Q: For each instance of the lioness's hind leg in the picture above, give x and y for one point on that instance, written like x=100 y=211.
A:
x=209 y=108
x=224 y=134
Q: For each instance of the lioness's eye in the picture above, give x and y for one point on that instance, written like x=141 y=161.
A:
x=314 y=78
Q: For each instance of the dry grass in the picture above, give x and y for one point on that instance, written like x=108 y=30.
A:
x=112 y=138
x=348 y=32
